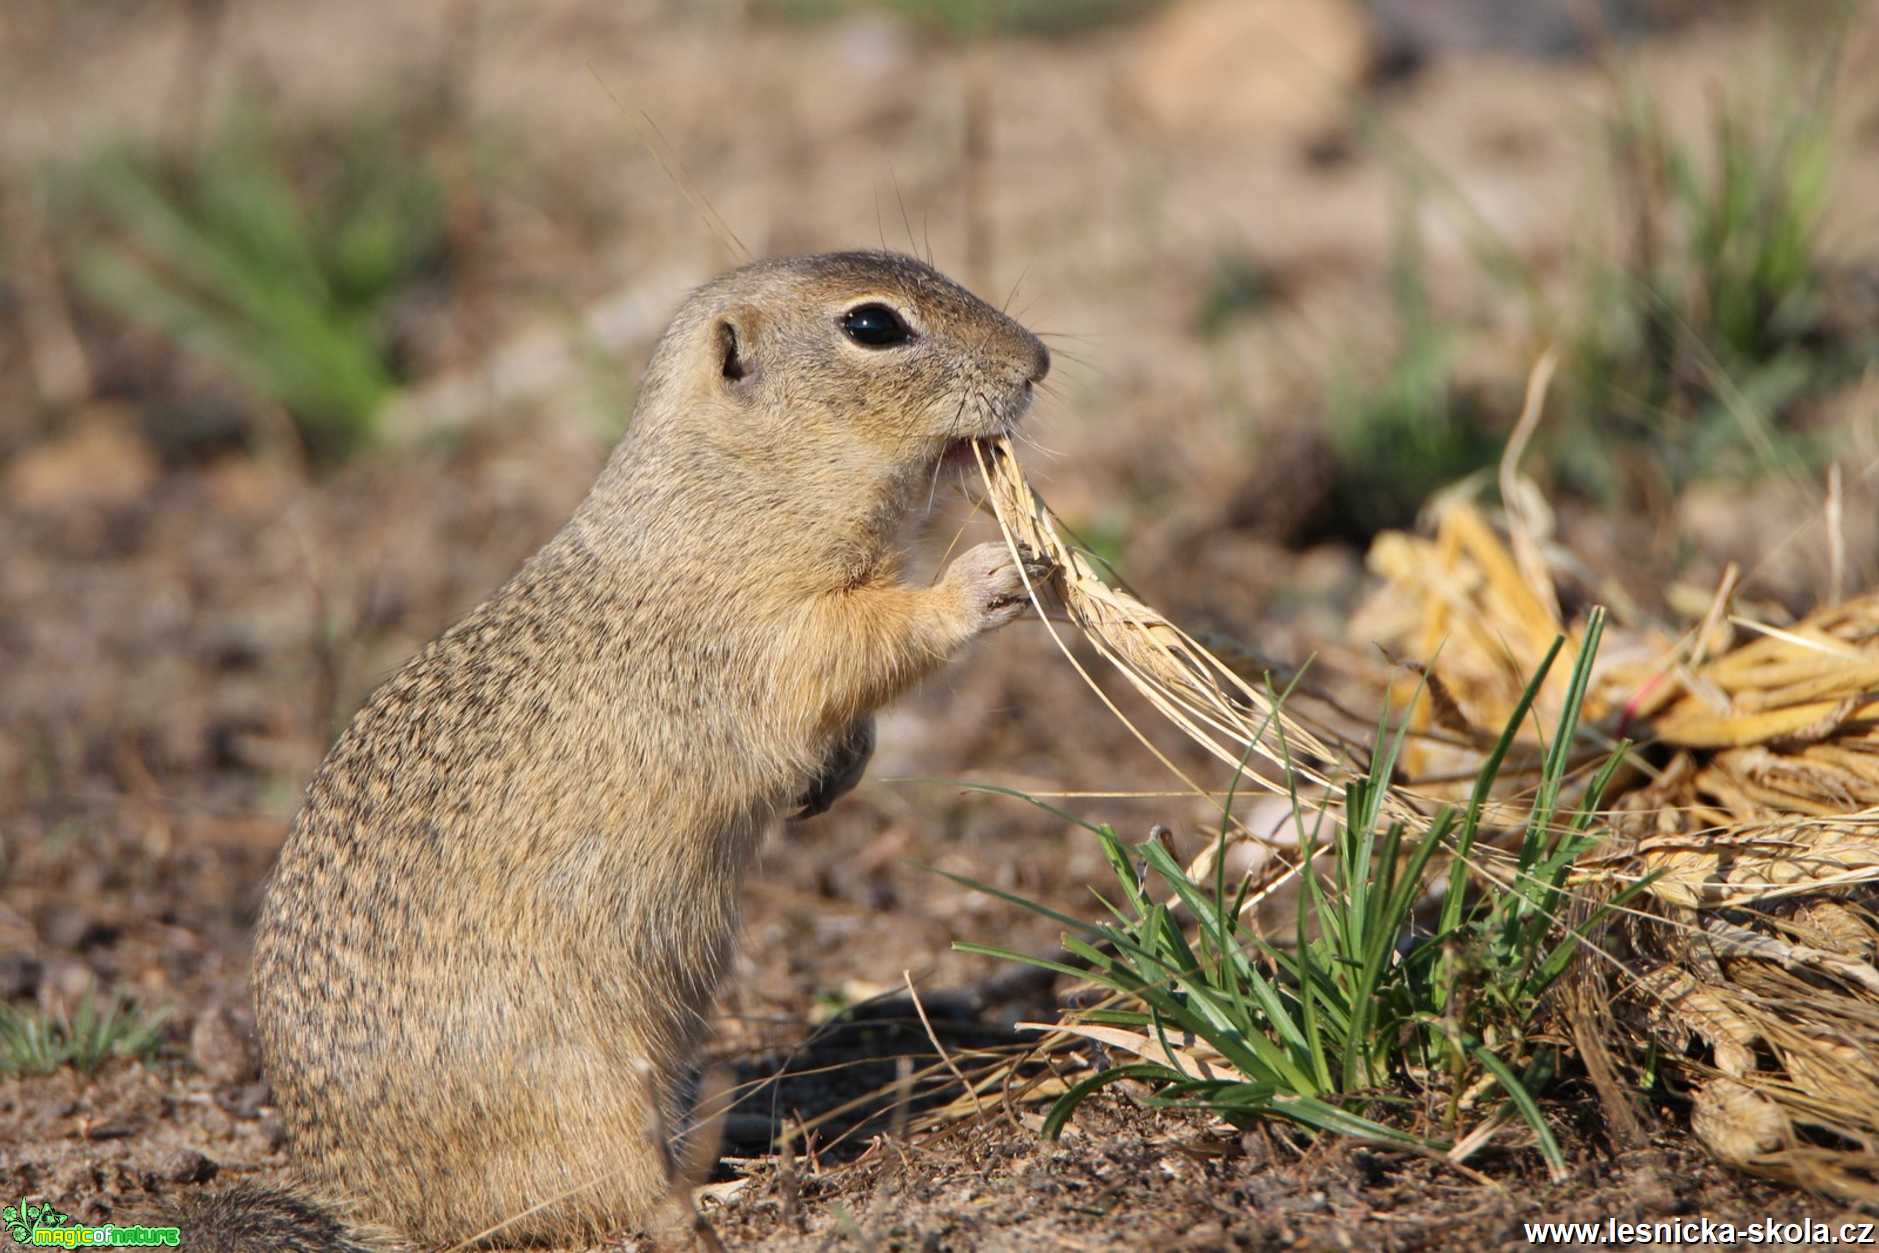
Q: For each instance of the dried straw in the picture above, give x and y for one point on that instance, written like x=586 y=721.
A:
x=1200 y=694
x=1761 y=835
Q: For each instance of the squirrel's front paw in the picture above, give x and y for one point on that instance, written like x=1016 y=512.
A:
x=842 y=768
x=993 y=584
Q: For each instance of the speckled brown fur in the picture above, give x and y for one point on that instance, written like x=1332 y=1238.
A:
x=517 y=873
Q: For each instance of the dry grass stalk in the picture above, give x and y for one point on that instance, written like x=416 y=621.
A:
x=1769 y=807
x=1472 y=630
x=1187 y=684
x=1770 y=811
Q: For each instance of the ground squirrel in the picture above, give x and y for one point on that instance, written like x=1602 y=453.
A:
x=515 y=879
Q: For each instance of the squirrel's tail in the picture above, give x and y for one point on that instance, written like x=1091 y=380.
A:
x=250 y=1218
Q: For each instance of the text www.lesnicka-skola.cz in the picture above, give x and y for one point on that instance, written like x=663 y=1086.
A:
x=1765 y=1232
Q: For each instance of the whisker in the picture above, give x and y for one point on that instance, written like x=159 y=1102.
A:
x=1067 y=355
x=912 y=245
x=1014 y=289
x=1052 y=453
x=932 y=491
x=1101 y=372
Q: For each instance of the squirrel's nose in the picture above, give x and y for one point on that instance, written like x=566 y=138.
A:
x=1040 y=361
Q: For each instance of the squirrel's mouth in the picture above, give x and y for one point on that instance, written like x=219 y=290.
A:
x=958 y=454
x=962 y=455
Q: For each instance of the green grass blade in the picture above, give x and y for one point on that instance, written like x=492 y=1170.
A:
x=1528 y=1107
x=1080 y=1092
x=1559 y=752
x=1012 y=898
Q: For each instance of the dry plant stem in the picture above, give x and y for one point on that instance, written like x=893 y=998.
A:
x=930 y=1035
x=1769 y=810
x=1521 y=500
x=806 y=1134
x=1729 y=940
x=1587 y=1016
x=1775 y=794
x=1725 y=593
x=1188 y=685
x=1472 y=1143
x=903 y=1102
x=1003 y=457
x=1836 y=536
x=667 y=156
x=54 y=353
x=788 y=1182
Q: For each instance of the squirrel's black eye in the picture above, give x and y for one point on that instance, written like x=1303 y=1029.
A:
x=875 y=326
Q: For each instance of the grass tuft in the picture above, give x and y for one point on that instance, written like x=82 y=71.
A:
x=1374 y=1019
x=34 y=1042
x=277 y=263
x=1698 y=333
x=1708 y=334
x=1237 y=286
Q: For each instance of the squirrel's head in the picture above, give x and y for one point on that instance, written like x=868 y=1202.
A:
x=856 y=372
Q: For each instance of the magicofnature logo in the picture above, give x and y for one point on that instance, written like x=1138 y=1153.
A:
x=40 y=1223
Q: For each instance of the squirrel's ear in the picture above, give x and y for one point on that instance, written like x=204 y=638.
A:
x=735 y=345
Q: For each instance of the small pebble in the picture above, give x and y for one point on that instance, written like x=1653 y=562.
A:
x=246 y=1103
x=186 y=1166
x=19 y=975
x=220 y=1049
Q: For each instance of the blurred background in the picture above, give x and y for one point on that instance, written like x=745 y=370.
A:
x=316 y=319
